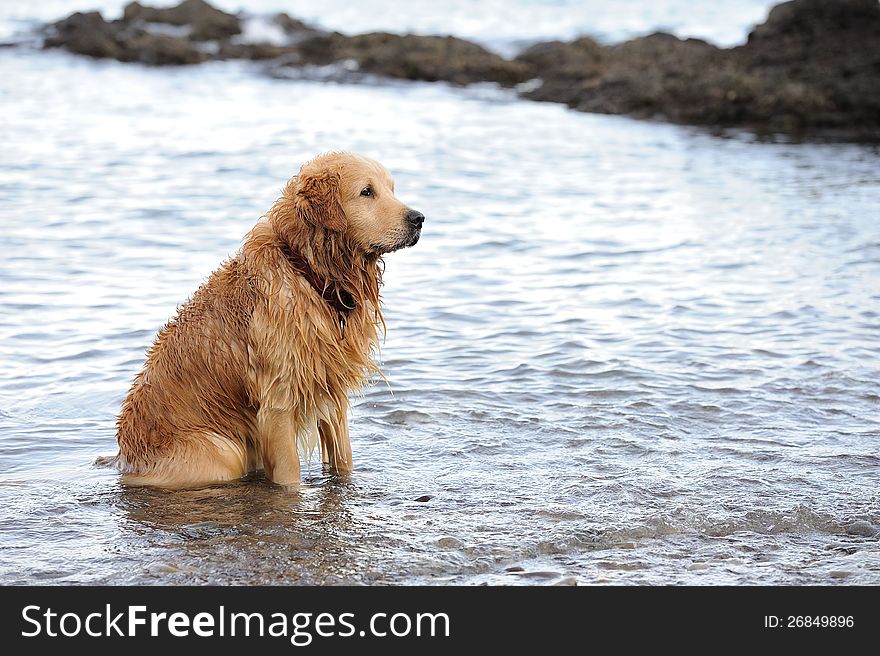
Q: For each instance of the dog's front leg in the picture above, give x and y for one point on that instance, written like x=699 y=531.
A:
x=335 y=443
x=278 y=446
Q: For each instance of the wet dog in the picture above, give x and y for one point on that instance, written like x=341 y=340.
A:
x=256 y=368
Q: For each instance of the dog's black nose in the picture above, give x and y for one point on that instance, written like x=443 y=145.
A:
x=415 y=218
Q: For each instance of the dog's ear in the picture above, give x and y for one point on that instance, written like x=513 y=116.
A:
x=318 y=201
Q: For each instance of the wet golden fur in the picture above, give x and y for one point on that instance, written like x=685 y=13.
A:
x=255 y=368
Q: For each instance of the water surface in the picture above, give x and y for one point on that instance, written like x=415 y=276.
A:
x=622 y=352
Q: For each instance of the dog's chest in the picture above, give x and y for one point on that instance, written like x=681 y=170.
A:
x=299 y=345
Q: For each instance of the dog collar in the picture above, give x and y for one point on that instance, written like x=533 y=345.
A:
x=338 y=299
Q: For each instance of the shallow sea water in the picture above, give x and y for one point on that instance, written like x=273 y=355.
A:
x=623 y=351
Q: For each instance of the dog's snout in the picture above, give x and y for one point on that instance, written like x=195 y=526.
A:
x=415 y=218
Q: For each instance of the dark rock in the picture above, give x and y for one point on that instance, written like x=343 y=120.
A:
x=291 y=25
x=654 y=75
x=574 y=62
x=89 y=34
x=806 y=22
x=432 y=58
x=811 y=70
x=160 y=50
x=636 y=77
x=320 y=48
x=819 y=61
x=254 y=51
x=412 y=57
x=206 y=22
x=85 y=34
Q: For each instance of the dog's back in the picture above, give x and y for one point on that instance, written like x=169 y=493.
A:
x=193 y=394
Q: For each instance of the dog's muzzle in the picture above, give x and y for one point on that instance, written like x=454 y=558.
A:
x=414 y=220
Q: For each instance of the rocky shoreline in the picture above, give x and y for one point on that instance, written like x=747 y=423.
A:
x=810 y=71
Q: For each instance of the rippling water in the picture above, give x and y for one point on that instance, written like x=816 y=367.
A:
x=622 y=352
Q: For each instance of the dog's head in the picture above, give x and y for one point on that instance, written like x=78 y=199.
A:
x=354 y=196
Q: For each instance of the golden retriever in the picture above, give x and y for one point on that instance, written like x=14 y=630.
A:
x=257 y=366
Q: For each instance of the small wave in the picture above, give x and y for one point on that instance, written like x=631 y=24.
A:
x=799 y=519
x=407 y=417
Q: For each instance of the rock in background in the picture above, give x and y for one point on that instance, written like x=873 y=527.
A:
x=812 y=70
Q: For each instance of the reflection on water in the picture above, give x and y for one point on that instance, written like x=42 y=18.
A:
x=306 y=536
x=622 y=351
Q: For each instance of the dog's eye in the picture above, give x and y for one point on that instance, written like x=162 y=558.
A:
x=367 y=191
